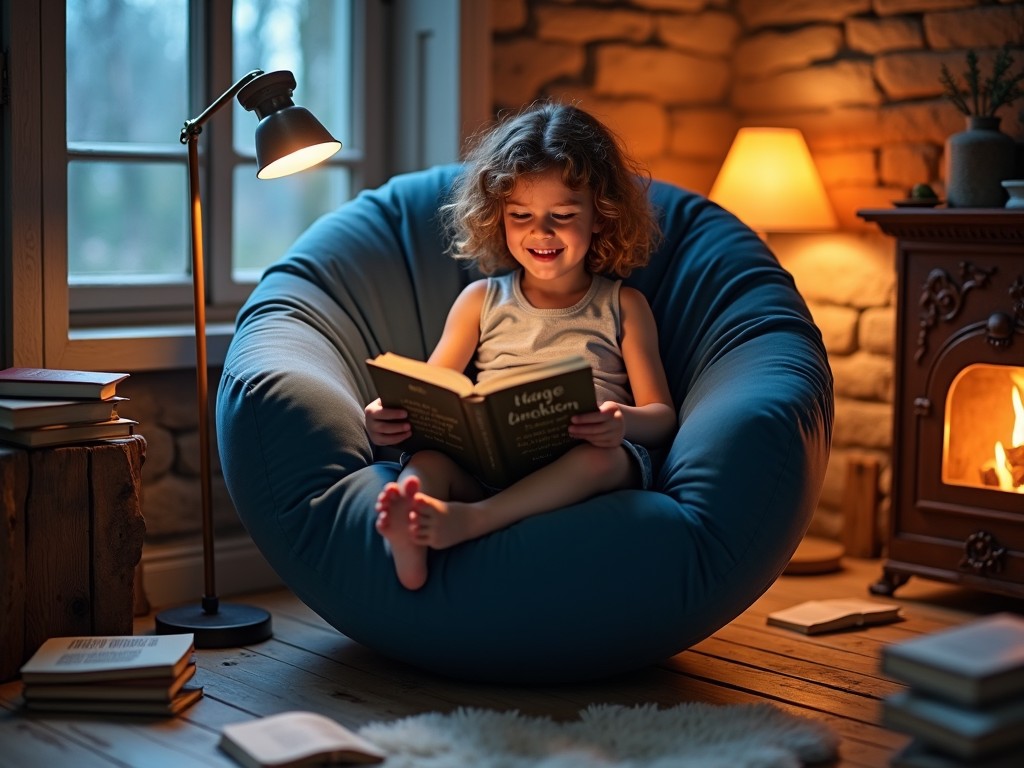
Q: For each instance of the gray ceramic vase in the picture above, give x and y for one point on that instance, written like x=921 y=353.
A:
x=977 y=161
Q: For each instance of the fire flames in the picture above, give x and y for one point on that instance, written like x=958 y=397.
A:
x=1006 y=470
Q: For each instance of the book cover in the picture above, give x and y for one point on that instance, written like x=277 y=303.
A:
x=918 y=754
x=53 y=382
x=818 y=616
x=155 y=689
x=61 y=434
x=29 y=413
x=108 y=657
x=974 y=664
x=969 y=733
x=501 y=430
x=185 y=698
x=293 y=739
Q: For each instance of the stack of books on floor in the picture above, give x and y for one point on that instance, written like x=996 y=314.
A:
x=965 y=702
x=45 y=407
x=121 y=674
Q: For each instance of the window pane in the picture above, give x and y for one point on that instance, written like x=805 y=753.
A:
x=309 y=37
x=127 y=219
x=127 y=70
x=269 y=215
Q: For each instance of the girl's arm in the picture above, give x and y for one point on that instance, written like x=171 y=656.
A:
x=461 y=332
x=652 y=420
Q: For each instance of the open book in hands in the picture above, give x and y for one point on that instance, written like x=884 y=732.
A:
x=294 y=739
x=501 y=430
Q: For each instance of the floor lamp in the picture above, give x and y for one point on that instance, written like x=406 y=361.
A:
x=288 y=139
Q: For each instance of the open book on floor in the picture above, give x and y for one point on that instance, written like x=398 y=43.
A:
x=818 y=616
x=501 y=430
x=293 y=739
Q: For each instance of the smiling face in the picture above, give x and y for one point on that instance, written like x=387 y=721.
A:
x=548 y=229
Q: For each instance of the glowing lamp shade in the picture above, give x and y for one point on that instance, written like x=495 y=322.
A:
x=770 y=183
x=288 y=138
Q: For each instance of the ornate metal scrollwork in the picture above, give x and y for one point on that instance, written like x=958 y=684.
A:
x=942 y=298
x=982 y=554
x=1017 y=307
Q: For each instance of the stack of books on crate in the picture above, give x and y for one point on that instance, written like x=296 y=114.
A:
x=45 y=407
x=121 y=674
x=965 y=701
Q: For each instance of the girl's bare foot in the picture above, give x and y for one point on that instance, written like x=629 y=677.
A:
x=441 y=524
x=394 y=504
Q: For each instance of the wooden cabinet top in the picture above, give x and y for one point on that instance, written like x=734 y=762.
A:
x=984 y=225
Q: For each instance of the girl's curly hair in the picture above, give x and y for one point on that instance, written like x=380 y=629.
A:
x=544 y=136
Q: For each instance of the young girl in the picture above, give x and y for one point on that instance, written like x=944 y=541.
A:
x=550 y=195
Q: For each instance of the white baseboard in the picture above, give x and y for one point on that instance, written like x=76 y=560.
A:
x=173 y=573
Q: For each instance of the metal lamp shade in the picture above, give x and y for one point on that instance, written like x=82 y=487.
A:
x=291 y=140
x=288 y=138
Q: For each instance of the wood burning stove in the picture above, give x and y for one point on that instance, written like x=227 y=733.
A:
x=958 y=422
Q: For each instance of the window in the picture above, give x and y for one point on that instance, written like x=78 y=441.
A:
x=133 y=77
x=96 y=248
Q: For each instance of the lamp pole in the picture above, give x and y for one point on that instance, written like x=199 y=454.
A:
x=291 y=129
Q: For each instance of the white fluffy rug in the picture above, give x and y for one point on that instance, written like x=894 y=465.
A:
x=684 y=736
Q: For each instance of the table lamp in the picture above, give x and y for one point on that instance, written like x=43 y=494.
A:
x=288 y=139
x=770 y=183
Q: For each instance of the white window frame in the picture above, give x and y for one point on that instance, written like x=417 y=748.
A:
x=35 y=327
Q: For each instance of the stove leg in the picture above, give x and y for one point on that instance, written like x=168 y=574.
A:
x=889 y=583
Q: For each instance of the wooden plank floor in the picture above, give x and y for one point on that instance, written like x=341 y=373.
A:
x=308 y=665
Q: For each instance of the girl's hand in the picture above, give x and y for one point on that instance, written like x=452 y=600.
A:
x=605 y=427
x=386 y=426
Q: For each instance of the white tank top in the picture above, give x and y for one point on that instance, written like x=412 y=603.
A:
x=513 y=332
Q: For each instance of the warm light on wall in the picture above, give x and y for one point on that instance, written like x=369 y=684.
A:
x=769 y=182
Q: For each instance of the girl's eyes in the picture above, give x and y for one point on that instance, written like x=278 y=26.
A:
x=518 y=216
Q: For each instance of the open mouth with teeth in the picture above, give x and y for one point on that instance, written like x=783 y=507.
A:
x=544 y=253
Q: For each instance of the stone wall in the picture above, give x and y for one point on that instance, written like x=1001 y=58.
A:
x=676 y=79
x=164 y=404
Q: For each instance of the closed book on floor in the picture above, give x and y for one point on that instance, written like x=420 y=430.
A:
x=28 y=413
x=817 y=616
x=54 y=382
x=966 y=732
x=185 y=698
x=154 y=689
x=918 y=754
x=293 y=739
x=974 y=664
x=111 y=657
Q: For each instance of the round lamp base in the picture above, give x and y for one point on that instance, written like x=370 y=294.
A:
x=230 y=626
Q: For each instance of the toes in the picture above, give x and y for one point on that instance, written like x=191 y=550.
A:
x=410 y=486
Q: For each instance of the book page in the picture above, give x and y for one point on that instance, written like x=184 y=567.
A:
x=435 y=374
x=294 y=735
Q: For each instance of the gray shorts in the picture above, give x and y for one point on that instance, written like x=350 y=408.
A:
x=637 y=451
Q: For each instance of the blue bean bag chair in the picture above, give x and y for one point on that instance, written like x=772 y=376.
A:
x=609 y=585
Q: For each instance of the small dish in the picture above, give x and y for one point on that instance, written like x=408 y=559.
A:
x=1015 y=188
x=918 y=202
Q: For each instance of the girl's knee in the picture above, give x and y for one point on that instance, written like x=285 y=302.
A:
x=611 y=464
x=429 y=462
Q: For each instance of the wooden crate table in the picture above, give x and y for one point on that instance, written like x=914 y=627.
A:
x=72 y=536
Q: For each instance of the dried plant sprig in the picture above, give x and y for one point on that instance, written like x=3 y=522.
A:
x=986 y=96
